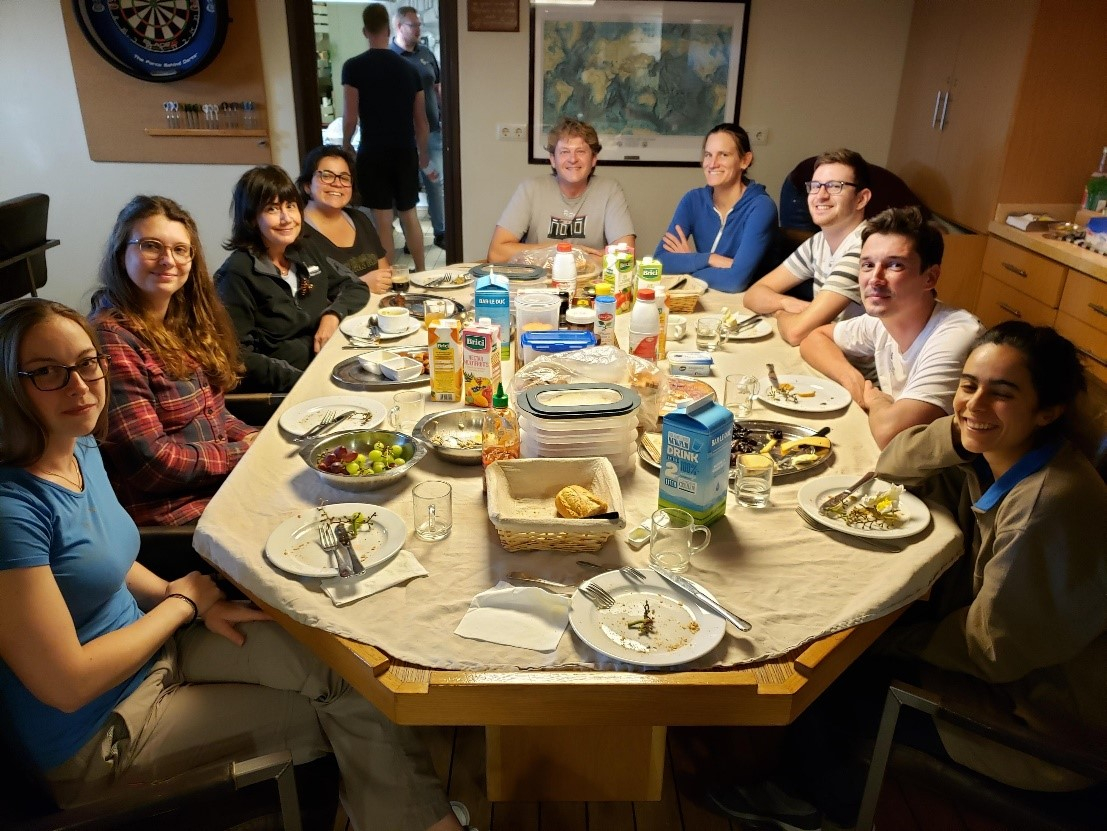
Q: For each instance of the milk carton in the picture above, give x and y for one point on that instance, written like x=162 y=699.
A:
x=492 y=299
x=444 y=348
x=619 y=270
x=695 y=459
x=480 y=362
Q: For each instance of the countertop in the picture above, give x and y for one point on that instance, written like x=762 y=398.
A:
x=1087 y=262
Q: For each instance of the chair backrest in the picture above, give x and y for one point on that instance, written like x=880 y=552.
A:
x=22 y=231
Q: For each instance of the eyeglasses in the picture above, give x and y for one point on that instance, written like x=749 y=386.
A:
x=154 y=250
x=329 y=177
x=411 y=25
x=831 y=187
x=55 y=376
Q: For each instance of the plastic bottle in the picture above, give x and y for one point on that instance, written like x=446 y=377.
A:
x=564 y=271
x=1095 y=192
x=645 y=325
x=604 y=327
x=649 y=275
x=499 y=430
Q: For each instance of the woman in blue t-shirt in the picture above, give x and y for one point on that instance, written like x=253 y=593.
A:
x=103 y=676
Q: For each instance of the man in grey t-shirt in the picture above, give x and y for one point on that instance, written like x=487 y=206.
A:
x=571 y=205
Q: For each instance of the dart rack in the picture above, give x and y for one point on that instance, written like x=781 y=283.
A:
x=124 y=117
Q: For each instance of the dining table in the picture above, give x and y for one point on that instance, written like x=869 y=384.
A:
x=573 y=723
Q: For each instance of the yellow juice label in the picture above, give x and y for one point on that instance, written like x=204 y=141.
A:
x=444 y=346
x=480 y=364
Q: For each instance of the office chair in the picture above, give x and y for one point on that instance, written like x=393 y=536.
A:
x=23 y=245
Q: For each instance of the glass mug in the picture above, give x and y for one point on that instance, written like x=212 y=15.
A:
x=739 y=393
x=754 y=480
x=672 y=539
x=709 y=331
x=432 y=507
x=401 y=278
x=434 y=309
x=407 y=409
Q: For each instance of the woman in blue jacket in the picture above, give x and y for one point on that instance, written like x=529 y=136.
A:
x=722 y=233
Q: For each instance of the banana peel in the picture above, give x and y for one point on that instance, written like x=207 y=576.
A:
x=810 y=441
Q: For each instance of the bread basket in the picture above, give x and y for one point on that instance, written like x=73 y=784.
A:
x=683 y=300
x=521 y=503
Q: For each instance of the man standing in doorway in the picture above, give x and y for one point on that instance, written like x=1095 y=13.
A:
x=406 y=44
x=383 y=91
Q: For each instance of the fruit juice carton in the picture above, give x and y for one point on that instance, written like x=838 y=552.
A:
x=480 y=363
x=492 y=299
x=695 y=459
x=619 y=270
x=444 y=347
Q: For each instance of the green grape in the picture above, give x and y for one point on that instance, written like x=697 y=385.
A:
x=353 y=468
x=396 y=451
x=375 y=455
x=378 y=467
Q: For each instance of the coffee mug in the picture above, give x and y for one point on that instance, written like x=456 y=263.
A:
x=672 y=539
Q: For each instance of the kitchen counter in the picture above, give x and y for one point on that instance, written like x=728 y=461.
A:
x=1073 y=256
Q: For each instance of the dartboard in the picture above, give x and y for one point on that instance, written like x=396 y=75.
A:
x=155 y=40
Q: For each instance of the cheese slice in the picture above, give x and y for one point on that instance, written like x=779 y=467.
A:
x=811 y=441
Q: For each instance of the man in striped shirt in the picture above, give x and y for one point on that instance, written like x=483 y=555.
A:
x=836 y=198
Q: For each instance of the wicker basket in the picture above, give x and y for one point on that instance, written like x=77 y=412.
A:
x=521 y=503
x=683 y=301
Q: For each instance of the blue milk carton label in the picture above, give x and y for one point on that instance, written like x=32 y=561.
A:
x=695 y=459
x=493 y=300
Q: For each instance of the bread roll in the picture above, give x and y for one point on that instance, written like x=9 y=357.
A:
x=576 y=502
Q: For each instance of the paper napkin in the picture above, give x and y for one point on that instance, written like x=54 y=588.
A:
x=516 y=616
x=400 y=568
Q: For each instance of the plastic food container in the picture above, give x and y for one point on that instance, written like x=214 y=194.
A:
x=690 y=363
x=401 y=368
x=554 y=342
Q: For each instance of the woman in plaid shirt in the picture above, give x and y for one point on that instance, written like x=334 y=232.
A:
x=171 y=441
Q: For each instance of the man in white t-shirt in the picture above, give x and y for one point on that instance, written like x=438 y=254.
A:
x=918 y=343
x=572 y=205
x=836 y=199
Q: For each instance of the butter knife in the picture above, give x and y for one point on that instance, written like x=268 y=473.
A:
x=772 y=377
x=752 y=320
x=344 y=538
x=842 y=496
x=700 y=597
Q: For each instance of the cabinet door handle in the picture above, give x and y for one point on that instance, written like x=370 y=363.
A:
x=1011 y=310
x=1087 y=353
x=1095 y=307
x=945 y=106
x=1014 y=269
x=937 y=104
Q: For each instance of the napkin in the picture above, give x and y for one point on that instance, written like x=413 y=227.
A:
x=343 y=591
x=515 y=616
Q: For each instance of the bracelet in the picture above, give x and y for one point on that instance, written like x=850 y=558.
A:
x=190 y=602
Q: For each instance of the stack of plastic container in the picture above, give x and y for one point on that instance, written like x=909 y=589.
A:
x=579 y=420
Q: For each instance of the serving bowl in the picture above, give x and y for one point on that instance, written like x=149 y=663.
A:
x=453 y=435
x=362 y=441
x=371 y=361
x=401 y=368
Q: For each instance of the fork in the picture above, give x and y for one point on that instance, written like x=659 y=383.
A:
x=822 y=529
x=629 y=572
x=329 y=542
x=597 y=595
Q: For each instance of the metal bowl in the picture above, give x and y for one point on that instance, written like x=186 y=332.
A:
x=362 y=441
x=454 y=435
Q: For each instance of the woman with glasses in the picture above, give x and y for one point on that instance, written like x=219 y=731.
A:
x=171 y=441
x=722 y=233
x=343 y=236
x=284 y=300
x=105 y=675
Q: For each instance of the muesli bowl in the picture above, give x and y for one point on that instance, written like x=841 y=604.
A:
x=453 y=435
x=364 y=442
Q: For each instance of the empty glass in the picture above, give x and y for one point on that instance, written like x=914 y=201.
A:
x=432 y=506
x=407 y=409
x=708 y=333
x=671 y=539
x=753 y=480
x=739 y=393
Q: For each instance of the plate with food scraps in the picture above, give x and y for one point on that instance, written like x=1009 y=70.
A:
x=674 y=630
x=350 y=372
x=364 y=326
x=300 y=418
x=414 y=303
x=760 y=329
x=509 y=270
x=376 y=534
x=794 y=448
x=878 y=510
x=443 y=280
x=804 y=394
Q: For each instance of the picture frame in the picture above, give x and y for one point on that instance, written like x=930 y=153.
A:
x=652 y=77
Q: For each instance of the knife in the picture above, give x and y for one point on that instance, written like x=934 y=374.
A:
x=690 y=588
x=841 y=497
x=772 y=377
x=344 y=538
x=752 y=320
x=678 y=284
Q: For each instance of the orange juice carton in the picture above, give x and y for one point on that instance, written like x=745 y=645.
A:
x=444 y=346
x=492 y=299
x=619 y=270
x=480 y=362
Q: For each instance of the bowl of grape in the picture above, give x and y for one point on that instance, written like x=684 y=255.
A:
x=361 y=460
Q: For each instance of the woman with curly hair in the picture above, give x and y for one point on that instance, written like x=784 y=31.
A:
x=171 y=441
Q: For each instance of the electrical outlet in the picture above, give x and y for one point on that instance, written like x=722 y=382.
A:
x=511 y=132
x=758 y=135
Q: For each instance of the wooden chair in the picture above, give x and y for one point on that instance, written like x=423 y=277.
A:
x=255 y=408
x=1014 y=807
x=23 y=245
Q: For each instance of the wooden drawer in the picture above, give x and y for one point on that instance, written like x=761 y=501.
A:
x=1092 y=344
x=1085 y=298
x=999 y=302
x=1024 y=270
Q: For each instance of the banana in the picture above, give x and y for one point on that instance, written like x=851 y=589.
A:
x=812 y=441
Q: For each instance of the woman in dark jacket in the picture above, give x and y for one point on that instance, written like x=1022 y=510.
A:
x=283 y=302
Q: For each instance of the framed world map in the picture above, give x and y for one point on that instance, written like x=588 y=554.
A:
x=651 y=77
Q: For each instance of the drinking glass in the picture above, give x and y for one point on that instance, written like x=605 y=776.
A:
x=401 y=278
x=754 y=480
x=434 y=309
x=407 y=409
x=672 y=539
x=432 y=504
x=708 y=332
x=739 y=393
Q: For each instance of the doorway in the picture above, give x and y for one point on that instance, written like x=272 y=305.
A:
x=322 y=35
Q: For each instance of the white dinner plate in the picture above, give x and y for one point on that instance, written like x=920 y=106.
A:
x=358 y=327
x=817 y=491
x=758 y=330
x=428 y=279
x=294 y=544
x=301 y=417
x=685 y=630
x=813 y=395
